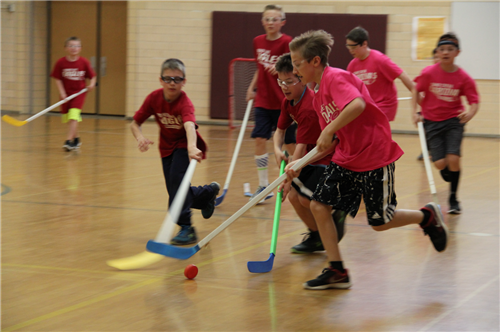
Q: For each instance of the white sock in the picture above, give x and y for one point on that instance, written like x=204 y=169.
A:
x=262 y=162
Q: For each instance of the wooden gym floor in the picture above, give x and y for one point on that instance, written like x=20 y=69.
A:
x=64 y=214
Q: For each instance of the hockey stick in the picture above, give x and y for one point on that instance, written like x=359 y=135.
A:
x=17 y=123
x=404 y=98
x=266 y=266
x=167 y=228
x=185 y=253
x=427 y=163
x=219 y=199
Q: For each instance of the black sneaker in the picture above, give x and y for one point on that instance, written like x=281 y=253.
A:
x=339 y=220
x=76 y=143
x=68 y=146
x=329 y=278
x=435 y=228
x=454 y=207
x=186 y=235
x=310 y=243
x=208 y=210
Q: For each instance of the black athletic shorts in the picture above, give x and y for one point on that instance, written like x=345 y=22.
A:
x=342 y=189
x=444 y=137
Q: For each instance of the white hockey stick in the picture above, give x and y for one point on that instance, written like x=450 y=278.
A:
x=427 y=163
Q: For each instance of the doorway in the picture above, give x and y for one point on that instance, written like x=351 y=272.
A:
x=102 y=28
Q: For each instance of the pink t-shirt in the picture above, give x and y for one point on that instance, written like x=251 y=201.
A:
x=308 y=128
x=365 y=143
x=267 y=52
x=443 y=91
x=73 y=75
x=171 y=118
x=378 y=72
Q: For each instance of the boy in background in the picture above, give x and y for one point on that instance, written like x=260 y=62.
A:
x=297 y=107
x=363 y=163
x=70 y=73
x=266 y=93
x=179 y=143
x=377 y=71
x=443 y=114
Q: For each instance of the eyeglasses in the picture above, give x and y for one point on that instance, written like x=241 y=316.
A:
x=286 y=84
x=352 y=46
x=271 y=19
x=169 y=79
x=74 y=46
x=298 y=65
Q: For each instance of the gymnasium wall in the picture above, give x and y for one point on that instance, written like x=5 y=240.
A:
x=161 y=29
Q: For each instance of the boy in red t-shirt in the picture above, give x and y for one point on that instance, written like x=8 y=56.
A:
x=363 y=163
x=297 y=108
x=266 y=93
x=70 y=73
x=377 y=71
x=443 y=114
x=179 y=143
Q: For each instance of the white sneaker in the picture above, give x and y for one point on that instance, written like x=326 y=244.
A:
x=258 y=191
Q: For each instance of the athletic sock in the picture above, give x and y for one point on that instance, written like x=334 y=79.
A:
x=445 y=174
x=427 y=216
x=454 y=178
x=262 y=162
x=337 y=265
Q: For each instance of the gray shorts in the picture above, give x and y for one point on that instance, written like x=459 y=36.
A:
x=342 y=189
x=444 y=137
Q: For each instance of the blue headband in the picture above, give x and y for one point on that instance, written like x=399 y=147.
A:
x=448 y=42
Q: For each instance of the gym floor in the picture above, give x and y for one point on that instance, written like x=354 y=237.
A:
x=64 y=214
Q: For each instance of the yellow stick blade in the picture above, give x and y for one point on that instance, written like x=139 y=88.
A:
x=12 y=121
x=135 y=262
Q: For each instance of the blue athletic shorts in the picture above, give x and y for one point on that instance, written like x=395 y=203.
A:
x=266 y=122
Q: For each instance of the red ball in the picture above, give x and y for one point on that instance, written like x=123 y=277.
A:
x=191 y=271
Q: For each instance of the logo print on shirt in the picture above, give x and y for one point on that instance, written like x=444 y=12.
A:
x=73 y=74
x=444 y=91
x=329 y=111
x=367 y=78
x=170 y=121
x=264 y=58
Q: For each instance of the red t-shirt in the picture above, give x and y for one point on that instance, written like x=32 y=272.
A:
x=73 y=75
x=443 y=91
x=171 y=118
x=378 y=72
x=308 y=128
x=365 y=143
x=267 y=52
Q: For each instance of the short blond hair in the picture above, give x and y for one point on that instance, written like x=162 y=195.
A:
x=313 y=43
x=277 y=8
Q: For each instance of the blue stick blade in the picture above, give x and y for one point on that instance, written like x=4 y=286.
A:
x=219 y=199
x=248 y=194
x=261 y=266
x=172 y=251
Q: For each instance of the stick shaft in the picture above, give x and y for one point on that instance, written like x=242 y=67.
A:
x=238 y=143
x=277 y=212
x=301 y=163
x=425 y=153
x=48 y=109
x=170 y=221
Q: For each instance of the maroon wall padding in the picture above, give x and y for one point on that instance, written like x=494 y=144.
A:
x=233 y=33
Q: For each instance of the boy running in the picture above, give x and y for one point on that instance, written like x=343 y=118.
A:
x=443 y=114
x=363 y=162
x=179 y=143
x=297 y=107
x=377 y=71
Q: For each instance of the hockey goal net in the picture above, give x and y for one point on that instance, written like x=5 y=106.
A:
x=241 y=72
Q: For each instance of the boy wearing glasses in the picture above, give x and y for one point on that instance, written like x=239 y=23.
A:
x=377 y=71
x=263 y=89
x=179 y=143
x=363 y=165
x=297 y=107
x=70 y=73
x=443 y=114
